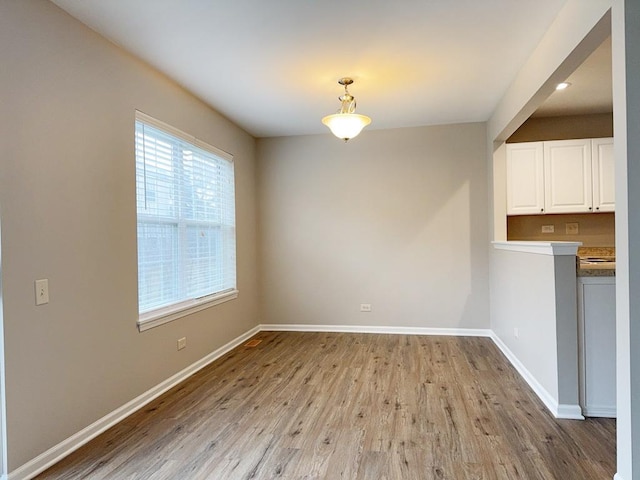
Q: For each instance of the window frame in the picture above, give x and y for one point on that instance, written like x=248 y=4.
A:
x=164 y=314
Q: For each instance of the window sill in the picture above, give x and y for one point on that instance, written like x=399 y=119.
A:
x=161 y=316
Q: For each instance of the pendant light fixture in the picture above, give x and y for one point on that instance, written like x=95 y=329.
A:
x=346 y=124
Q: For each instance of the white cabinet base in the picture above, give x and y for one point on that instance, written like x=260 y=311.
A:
x=597 y=342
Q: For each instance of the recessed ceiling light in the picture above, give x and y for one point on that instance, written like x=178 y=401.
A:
x=563 y=85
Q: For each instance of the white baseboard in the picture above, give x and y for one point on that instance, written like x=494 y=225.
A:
x=572 y=412
x=456 y=332
x=64 y=448
x=603 y=412
x=569 y=412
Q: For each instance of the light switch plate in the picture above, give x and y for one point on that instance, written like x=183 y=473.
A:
x=42 y=291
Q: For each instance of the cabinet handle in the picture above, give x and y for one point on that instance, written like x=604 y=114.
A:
x=542 y=209
x=590 y=208
x=597 y=208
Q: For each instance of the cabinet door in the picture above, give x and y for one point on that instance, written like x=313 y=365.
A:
x=567 y=175
x=597 y=330
x=603 y=167
x=525 y=178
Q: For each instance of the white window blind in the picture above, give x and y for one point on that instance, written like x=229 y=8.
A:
x=186 y=220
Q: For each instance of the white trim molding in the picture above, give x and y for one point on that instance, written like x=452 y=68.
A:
x=601 y=412
x=571 y=412
x=540 y=248
x=456 y=332
x=64 y=448
x=158 y=317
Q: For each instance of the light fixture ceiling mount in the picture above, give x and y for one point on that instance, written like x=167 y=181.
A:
x=346 y=124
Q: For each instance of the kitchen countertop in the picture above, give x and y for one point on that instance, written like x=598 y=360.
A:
x=604 y=267
x=597 y=271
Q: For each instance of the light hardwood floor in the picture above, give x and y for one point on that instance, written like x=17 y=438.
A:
x=349 y=406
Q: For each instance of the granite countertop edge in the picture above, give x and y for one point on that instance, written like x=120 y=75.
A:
x=601 y=270
x=596 y=272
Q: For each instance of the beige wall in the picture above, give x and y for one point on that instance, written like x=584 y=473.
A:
x=564 y=128
x=68 y=214
x=394 y=218
x=595 y=229
x=526 y=303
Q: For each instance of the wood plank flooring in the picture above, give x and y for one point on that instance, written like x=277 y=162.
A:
x=349 y=406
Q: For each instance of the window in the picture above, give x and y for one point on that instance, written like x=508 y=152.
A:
x=186 y=223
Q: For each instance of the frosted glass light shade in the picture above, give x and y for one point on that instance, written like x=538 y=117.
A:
x=346 y=125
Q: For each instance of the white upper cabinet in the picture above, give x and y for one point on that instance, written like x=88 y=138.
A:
x=525 y=180
x=560 y=176
x=603 y=168
x=567 y=176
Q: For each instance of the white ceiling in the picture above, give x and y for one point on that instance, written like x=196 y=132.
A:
x=272 y=66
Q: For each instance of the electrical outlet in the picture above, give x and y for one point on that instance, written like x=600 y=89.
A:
x=182 y=343
x=548 y=228
x=365 y=307
x=42 y=291
x=571 y=228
